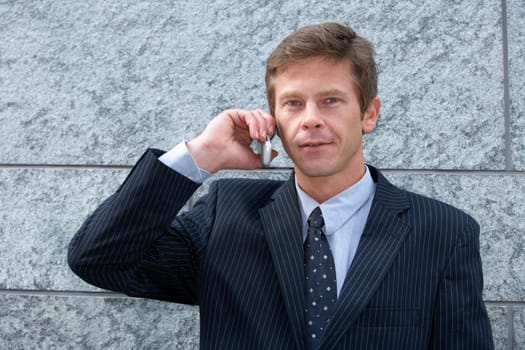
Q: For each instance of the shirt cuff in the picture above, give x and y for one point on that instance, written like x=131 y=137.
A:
x=179 y=159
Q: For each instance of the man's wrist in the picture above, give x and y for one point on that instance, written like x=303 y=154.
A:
x=180 y=159
x=203 y=155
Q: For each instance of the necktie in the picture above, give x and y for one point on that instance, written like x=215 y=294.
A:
x=321 y=285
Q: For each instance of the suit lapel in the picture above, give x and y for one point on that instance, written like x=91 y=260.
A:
x=281 y=219
x=382 y=238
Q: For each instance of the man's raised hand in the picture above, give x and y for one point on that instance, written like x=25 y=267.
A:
x=225 y=143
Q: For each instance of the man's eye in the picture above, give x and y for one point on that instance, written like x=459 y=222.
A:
x=293 y=103
x=331 y=100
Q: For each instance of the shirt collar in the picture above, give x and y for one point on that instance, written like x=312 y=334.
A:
x=340 y=208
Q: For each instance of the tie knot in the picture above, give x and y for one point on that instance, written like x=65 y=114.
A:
x=316 y=218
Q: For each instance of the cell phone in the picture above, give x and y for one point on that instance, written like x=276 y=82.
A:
x=266 y=156
x=264 y=149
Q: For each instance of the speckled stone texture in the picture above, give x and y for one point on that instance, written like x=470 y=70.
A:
x=61 y=322
x=498 y=318
x=441 y=81
x=40 y=209
x=96 y=83
x=86 y=87
x=519 y=327
x=516 y=48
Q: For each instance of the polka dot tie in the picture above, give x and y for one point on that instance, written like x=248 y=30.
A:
x=321 y=286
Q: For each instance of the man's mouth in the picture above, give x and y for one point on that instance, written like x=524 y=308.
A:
x=313 y=144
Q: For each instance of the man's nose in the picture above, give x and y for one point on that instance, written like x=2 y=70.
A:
x=312 y=117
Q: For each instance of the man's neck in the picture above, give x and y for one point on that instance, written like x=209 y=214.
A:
x=322 y=188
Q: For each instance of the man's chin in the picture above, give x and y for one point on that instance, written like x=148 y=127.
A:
x=314 y=170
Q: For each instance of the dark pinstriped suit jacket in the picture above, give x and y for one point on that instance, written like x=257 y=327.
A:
x=415 y=282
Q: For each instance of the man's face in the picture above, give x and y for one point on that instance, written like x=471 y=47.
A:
x=319 y=119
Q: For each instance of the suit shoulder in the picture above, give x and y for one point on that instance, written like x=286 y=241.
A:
x=255 y=190
x=241 y=183
x=425 y=202
x=395 y=197
x=425 y=213
x=440 y=215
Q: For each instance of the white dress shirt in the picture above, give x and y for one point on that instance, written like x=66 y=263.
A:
x=345 y=217
x=344 y=214
x=179 y=159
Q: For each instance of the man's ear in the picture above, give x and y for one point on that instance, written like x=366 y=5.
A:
x=371 y=115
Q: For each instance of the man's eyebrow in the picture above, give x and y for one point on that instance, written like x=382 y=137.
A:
x=329 y=92
x=288 y=94
x=291 y=93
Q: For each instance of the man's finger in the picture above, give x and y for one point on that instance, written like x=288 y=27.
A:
x=267 y=122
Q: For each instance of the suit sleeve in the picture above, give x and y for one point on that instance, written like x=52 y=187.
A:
x=131 y=242
x=461 y=320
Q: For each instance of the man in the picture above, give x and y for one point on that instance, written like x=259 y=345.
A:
x=334 y=258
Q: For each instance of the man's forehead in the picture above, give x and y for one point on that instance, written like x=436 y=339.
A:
x=320 y=76
x=305 y=60
x=321 y=62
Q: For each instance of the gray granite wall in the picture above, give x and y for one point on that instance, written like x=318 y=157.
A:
x=85 y=87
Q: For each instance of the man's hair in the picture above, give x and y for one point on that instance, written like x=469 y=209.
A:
x=330 y=40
